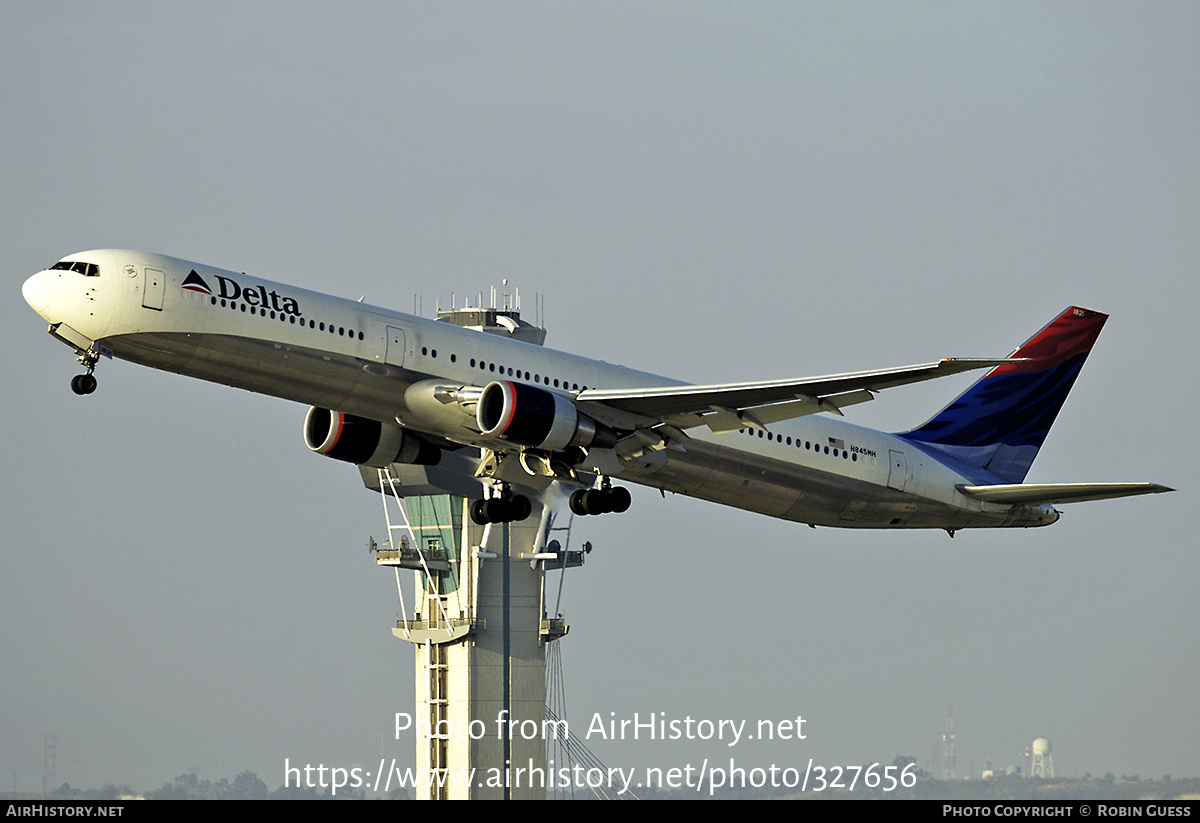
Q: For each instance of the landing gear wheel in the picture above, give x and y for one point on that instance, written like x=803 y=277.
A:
x=599 y=501
x=496 y=510
x=620 y=499
x=501 y=510
x=83 y=384
x=576 y=503
x=478 y=515
x=521 y=507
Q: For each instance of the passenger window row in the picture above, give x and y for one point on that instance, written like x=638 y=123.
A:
x=285 y=317
x=509 y=371
x=807 y=445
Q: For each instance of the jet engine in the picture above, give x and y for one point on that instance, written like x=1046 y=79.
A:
x=530 y=416
x=365 y=442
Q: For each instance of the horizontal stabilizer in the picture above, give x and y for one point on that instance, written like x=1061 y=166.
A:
x=1015 y=494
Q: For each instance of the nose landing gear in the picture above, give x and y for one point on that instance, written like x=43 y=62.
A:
x=86 y=383
x=83 y=383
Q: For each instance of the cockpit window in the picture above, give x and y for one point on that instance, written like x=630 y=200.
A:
x=86 y=269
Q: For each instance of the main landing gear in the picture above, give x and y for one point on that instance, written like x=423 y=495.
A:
x=600 y=501
x=509 y=507
x=86 y=383
x=504 y=509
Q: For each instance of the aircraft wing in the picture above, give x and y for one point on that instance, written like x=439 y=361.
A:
x=731 y=406
x=1042 y=493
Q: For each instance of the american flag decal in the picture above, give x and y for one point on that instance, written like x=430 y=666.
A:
x=836 y=443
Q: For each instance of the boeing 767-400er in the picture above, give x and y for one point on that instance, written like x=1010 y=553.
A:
x=506 y=417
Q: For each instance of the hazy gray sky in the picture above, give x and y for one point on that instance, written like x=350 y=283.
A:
x=708 y=191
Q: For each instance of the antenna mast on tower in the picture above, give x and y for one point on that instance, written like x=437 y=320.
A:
x=949 y=764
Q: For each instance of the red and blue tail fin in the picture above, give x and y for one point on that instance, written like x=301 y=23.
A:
x=1000 y=422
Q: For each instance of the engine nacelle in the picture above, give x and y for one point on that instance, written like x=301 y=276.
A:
x=530 y=416
x=365 y=442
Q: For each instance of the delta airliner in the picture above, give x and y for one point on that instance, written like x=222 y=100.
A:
x=508 y=417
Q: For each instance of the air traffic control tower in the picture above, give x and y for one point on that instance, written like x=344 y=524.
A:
x=479 y=623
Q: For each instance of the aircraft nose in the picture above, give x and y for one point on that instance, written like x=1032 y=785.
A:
x=38 y=290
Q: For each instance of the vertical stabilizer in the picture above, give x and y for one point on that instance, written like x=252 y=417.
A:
x=1000 y=422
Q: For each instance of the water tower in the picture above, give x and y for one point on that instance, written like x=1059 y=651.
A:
x=1042 y=763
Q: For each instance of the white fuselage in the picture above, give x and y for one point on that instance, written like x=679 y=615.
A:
x=338 y=354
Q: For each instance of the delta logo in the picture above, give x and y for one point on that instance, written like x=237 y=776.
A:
x=194 y=282
x=230 y=289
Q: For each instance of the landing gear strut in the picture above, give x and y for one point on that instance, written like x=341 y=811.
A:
x=600 y=501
